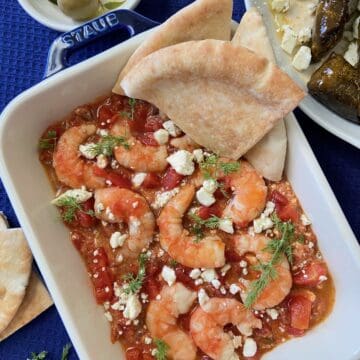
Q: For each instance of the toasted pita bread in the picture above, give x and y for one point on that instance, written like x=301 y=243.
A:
x=225 y=97
x=36 y=300
x=203 y=19
x=15 y=268
x=268 y=155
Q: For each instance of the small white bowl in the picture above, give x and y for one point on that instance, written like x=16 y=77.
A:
x=48 y=14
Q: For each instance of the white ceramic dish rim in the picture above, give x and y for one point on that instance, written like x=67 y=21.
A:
x=330 y=121
x=299 y=153
x=47 y=14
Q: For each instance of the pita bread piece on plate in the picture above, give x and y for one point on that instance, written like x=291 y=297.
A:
x=36 y=300
x=15 y=269
x=203 y=19
x=268 y=155
x=225 y=97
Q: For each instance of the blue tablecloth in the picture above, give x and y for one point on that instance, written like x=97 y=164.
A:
x=23 y=48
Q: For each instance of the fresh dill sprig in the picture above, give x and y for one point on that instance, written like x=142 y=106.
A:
x=40 y=356
x=70 y=206
x=277 y=247
x=173 y=263
x=212 y=222
x=65 y=352
x=161 y=349
x=211 y=166
x=132 y=103
x=134 y=283
x=49 y=141
x=229 y=167
x=107 y=144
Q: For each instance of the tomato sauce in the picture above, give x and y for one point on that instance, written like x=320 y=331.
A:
x=308 y=303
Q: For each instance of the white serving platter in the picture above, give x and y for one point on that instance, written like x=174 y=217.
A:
x=344 y=129
x=21 y=125
x=48 y=14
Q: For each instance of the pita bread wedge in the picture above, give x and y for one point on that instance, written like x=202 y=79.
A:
x=268 y=155
x=36 y=300
x=203 y=19
x=15 y=268
x=225 y=97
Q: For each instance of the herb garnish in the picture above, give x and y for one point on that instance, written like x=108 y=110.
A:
x=107 y=144
x=65 y=352
x=39 y=356
x=161 y=349
x=212 y=222
x=49 y=141
x=211 y=166
x=134 y=284
x=173 y=263
x=277 y=247
x=130 y=115
x=71 y=206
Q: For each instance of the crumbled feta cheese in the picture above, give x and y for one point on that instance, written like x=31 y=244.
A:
x=134 y=226
x=168 y=274
x=250 y=347
x=108 y=316
x=289 y=40
x=210 y=185
x=102 y=132
x=322 y=278
x=109 y=215
x=234 y=289
x=114 y=164
x=102 y=161
x=198 y=282
x=147 y=340
x=356 y=27
x=162 y=198
x=195 y=273
x=223 y=290
x=161 y=136
x=204 y=197
x=310 y=245
x=216 y=283
x=280 y=6
x=302 y=58
x=273 y=313
x=87 y=150
x=133 y=307
x=304 y=35
x=138 y=179
x=203 y=297
x=171 y=128
x=351 y=55
x=80 y=196
x=269 y=208
x=226 y=225
x=182 y=162
x=305 y=220
x=158 y=297
x=243 y=263
x=117 y=239
x=262 y=223
x=119 y=258
x=209 y=275
x=198 y=155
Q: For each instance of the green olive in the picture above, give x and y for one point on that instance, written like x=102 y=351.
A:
x=79 y=9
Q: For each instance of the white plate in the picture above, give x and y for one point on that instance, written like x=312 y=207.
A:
x=48 y=14
x=330 y=121
x=21 y=125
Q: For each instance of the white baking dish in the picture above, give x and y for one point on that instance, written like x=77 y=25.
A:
x=21 y=125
